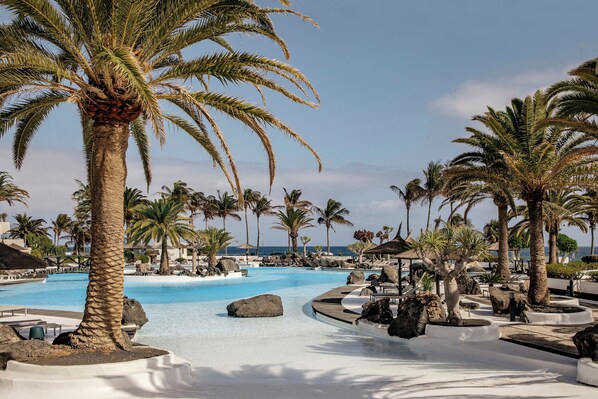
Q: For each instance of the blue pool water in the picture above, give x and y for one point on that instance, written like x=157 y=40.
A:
x=67 y=291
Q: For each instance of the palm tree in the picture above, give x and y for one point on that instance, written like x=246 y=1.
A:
x=249 y=198
x=333 y=213
x=82 y=197
x=60 y=225
x=589 y=203
x=27 y=227
x=161 y=221
x=292 y=221
x=432 y=186
x=80 y=233
x=491 y=231
x=9 y=192
x=178 y=193
x=134 y=200
x=292 y=199
x=262 y=206
x=305 y=240
x=226 y=206
x=410 y=194
x=213 y=240
x=118 y=63
x=540 y=157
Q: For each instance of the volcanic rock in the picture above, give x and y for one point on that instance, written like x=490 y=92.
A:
x=356 y=277
x=415 y=313
x=259 y=306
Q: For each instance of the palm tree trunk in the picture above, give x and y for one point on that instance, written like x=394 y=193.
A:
x=101 y=324
x=294 y=241
x=257 y=246
x=289 y=242
x=538 y=287
x=164 y=269
x=246 y=228
x=429 y=212
x=193 y=259
x=553 y=257
x=328 y=238
x=592 y=228
x=503 y=241
x=408 y=208
x=224 y=227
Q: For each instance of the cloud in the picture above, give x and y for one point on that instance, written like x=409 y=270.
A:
x=473 y=96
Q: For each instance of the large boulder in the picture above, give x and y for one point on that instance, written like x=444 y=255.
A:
x=24 y=350
x=415 y=313
x=9 y=335
x=373 y=277
x=356 y=277
x=133 y=313
x=389 y=274
x=259 y=306
x=367 y=291
x=500 y=299
x=376 y=312
x=227 y=265
x=468 y=285
x=586 y=342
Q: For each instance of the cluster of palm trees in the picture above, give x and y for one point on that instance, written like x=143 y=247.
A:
x=536 y=160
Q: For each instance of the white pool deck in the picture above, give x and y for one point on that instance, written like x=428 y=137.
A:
x=295 y=356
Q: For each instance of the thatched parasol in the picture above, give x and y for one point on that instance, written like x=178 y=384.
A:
x=393 y=247
x=246 y=247
x=13 y=259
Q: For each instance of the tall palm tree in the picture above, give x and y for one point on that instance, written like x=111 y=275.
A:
x=213 y=240
x=432 y=186
x=60 y=225
x=482 y=173
x=292 y=199
x=589 y=203
x=491 y=231
x=332 y=213
x=82 y=198
x=539 y=157
x=411 y=193
x=27 y=227
x=80 y=233
x=292 y=221
x=161 y=221
x=178 y=193
x=225 y=206
x=10 y=192
x=249 y=198
x=119 y=62
x=262 y=206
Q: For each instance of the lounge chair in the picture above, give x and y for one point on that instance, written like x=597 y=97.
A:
x=12 y=310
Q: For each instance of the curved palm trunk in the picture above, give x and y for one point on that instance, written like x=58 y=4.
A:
x=538 y=287
x=328 y=239
x=164 y=268
x=503 y=240
x=257 y=246
x=101 y=324
x=429 y=212
x=553 y=256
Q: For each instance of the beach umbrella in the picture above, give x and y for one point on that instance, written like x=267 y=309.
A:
x=246 y=247
x=13 y=259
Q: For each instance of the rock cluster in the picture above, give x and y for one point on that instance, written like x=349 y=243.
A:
x=415 y=313
x=133 y=313
x=376 y=312
x=500 y=299
x=586 y=342
x=356 y=277
x=306 y=261
x=259 y=306
x=389 y=274
x=468 y=285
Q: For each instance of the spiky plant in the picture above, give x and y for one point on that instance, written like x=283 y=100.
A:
x=27 y=227
x=120 y=62
x=292 y=221
x=10 y=192
x=213 y=240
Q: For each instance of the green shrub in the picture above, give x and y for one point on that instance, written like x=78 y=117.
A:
x=427 y=281
x=566 y=244
x=491 y=278
x=570 y=270
x=129 y=256
x=590 y=259
x=142 y=258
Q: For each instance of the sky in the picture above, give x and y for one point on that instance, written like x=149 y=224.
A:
x=398 y=81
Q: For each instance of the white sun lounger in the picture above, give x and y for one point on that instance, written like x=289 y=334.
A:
x=12 y=310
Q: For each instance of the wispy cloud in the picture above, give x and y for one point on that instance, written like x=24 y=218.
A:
x=473 y=96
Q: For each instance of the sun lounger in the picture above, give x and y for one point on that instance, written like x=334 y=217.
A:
x=394 y=296
x=12 y=310
x=23 y=324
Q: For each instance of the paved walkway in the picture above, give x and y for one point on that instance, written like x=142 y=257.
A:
x=554 y=339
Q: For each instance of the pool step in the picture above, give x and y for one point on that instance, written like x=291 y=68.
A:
x=161 y=374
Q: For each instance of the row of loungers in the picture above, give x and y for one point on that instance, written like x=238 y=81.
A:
x=404 y=292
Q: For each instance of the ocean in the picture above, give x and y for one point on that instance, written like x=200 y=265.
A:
x=343 y=251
